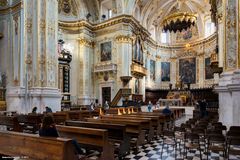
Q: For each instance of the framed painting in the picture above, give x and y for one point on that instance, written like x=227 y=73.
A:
x=106 y=51
x=208 y=69
x=138 y=51
x=187 y=70
x=165 y=71
x=152 y=69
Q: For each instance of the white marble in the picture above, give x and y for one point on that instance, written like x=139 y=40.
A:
x=229 y=101
x=18 y=100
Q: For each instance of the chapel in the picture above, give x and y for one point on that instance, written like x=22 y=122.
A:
x=119 y=79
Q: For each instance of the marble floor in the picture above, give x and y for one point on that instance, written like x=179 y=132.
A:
x=153 y=150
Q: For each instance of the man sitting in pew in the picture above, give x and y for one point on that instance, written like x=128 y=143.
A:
x=48 y=129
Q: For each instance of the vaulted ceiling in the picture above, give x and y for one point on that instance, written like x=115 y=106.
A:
x=152 y=12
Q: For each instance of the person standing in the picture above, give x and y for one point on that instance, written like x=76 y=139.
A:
x=203 y=108
x=149 y=106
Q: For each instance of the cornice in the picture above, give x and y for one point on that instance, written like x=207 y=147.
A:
x=127 y=19
x=13 y=8
x=137 y=28
x=86 y=42
x=124 y=39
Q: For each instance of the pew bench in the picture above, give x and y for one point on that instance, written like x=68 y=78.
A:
x=133 y=129
x=147 y=123
x=17 y=144
x=90 y=138
x=11 y=123
x=116 y=132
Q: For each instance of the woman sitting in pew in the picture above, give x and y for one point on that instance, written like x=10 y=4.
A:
x=48 y=129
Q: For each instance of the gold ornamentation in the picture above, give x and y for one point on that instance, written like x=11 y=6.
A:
x=42 y=25
x=124 y=39
x=86 y=42
x=15 y=18
x=28 y=59
x=67 y=6
x=29 y=25
x=172 y=21
x=12 y=9
x=1 y=35
x=3 y=3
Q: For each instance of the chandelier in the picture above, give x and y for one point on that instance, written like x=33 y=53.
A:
x=179 y=21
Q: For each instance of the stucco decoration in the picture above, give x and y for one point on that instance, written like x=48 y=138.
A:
x=67 y=7
x=231 y=38
x=3 y=3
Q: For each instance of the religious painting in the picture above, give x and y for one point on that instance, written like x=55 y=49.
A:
x=187 y=70
x=138 y=51
x=137 y=86
x=165 y=71
x=208 y=69
x=106 y=51
x=152 y=69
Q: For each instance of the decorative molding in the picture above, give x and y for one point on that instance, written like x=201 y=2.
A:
x=124 y=39
x=3 y=3
x=29 y=25
x=125 y=19
x=86 y=42
x=10 y=9
x=15 y=19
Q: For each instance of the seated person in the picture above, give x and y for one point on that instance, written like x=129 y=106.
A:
x=48 y=129
x=48 y=109
x=166 y=110
x=34 y=110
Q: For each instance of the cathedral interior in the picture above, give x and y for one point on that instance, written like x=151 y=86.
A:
x=119 y=57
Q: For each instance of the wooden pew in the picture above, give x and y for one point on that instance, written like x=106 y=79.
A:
x=116 y=133
x=60 y=117
x=146 y=123
x=89 y=137
x=133 y=128
x=35 y=147
x=155 y=121
x=31 y=122
x=11 y=123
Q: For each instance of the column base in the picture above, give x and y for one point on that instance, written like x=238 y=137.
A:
x=18 y=100
x=229 y=101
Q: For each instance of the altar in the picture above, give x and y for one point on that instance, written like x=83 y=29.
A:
x=170 y=102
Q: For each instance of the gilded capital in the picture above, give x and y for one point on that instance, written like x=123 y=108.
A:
x=86 y=42
x=124 y=39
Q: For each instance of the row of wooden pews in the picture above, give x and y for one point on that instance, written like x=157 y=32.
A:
x=111 y=134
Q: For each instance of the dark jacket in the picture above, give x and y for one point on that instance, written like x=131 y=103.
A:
x=49 y=132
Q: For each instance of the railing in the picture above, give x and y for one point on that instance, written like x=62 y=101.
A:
x=105 y=68
x=123 y=92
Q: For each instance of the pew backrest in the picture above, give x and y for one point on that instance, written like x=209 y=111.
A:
x=35 y=147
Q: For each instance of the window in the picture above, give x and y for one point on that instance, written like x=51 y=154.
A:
x=109 y=13
x=209 y=28
x=165 y=37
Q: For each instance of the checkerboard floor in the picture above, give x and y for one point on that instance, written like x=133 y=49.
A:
x=153 y=150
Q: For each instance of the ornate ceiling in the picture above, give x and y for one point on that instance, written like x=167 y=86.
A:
x=152 y=12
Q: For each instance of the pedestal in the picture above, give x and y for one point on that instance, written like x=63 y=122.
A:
x=18 y=100
x=229 y=98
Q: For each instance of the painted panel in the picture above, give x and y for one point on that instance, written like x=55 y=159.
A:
x=152 y=69
x=165 y=71
x=208 y=69
x=187 y=70
x=106 y=51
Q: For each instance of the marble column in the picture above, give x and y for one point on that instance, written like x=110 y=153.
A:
x=35 y=80
x=85 y=83
x=229 y=82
